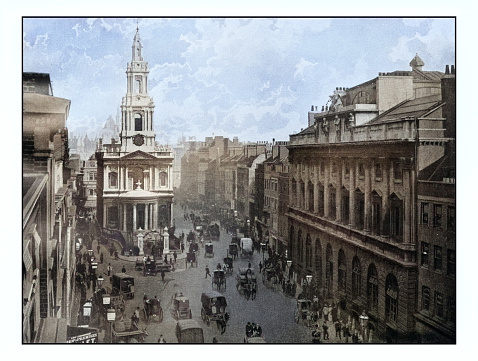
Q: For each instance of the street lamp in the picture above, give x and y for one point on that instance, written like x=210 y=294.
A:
x=363 y=323
x=111 y=317
x=308 y=280
x=289 y=269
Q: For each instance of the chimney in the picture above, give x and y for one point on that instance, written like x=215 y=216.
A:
x=448 y=94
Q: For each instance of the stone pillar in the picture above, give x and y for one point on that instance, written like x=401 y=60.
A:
x=316 y=189
x=166 y=241
x=150 y=178
x=387 y=178
x=368 y=191
x=171 y=214
x=407 y=186
x=125 y=206
x=134 y=217
x=338 y=191
x=326 y=190
x=353 y=218
x=155 y=215
x=146 y=216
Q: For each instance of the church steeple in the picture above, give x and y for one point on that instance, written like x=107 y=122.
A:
x=137 y=46
x=137 y=107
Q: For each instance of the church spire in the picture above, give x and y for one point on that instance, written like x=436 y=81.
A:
x=137 y=46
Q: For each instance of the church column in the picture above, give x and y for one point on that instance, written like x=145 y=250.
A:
x=105 y=177
x=150 y=178
x=155 y=215
x=146 y=216
x=125 y=184
x=125 y=206
x=134 y=217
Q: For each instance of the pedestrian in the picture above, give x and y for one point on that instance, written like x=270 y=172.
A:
x=101 y=258
x=123 y=269
x=116 y=255
x=175 y=256
x=214 y=340
x=109 y=268
x=334 y=313
x=316 y=334
x=326 y=330
x=338 y=329
x=208 y=273
x=182 y=247
x=325 y=312
x=166 y=259
x=249 y=265
x=162 y=275
x=346 y=332
x=98 y=249
x=355 y=338
x=260 y=266
x=88 y=281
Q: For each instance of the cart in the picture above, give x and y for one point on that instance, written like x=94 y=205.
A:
x=124 y=331
x=189 y=331
x=246 y=247
x=209 y=250
x=149 y=267
x=152 y=310
x=246 y=282
x=181 y=308
x=219 y=278
x=303 y=312
x=233 y=250
x=191 y=259
x=228 y=265
x=214 y=309
x=123 y=284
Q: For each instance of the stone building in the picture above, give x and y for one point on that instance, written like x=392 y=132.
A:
x=48 y=259
x=353 y=188
x=134 y=179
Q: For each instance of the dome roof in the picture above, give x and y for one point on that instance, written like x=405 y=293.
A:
x=139 y=193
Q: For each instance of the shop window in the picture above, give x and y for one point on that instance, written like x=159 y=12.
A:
x=425 y=298
x=439 y=304
x=437 y=258
x=424 y=212
x=424 y=254
x=450 y=222
x=451 y=263
x=437 y=215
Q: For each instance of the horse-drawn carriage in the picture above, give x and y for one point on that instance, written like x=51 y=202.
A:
x=213 y=232
x=228 y=263
x=304 y=312
x=219 y=278
x=208 y=249
x=194 y=247
x=181 y=308
x=125 y=331
x=270 y=277
x=152 y=310
x=123 y=284
x=233 y=250
x=254 y=334
x=189 y=331
x=191 y=259
x=246 y=282
x=149 y=267
x=214 y=309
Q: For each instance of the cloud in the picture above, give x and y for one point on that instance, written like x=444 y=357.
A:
x=301 y=66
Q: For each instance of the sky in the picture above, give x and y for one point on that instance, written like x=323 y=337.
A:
x=254 y=78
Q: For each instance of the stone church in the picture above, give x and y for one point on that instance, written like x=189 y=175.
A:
x=134 y=179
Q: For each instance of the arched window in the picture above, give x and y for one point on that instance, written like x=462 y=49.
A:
x=345 y=205
x=356 y=278
x=302 y=194
x=359 y=208
x=321 y=199
x=138 y=122
x=332 y=202
x=396 y=217
x=376 y=212
x=342 y=274
x=372 y=288
x=308 y=252
x=310 y=189
x=113 y=180
x=391 y=298
x=163 y=179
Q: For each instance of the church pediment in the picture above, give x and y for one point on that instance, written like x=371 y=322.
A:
x=138 y=154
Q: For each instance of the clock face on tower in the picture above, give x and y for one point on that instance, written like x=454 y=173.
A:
x=138 y=139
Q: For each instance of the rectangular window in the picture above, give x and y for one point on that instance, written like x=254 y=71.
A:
x=450 y=220
x=439 y=304
x=437 y=258
x=92 y=176
x=361 y=171
x=397 y=171
x=424 y=212
x=437 y=215
x=425 y=298
x=425 y=251
x=378 y=172
x=451 y=263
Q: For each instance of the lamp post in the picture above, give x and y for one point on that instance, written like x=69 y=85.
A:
x=289 y=269
x=111 y=317
x=363 y=323
x=308 y=280
x=87 y=312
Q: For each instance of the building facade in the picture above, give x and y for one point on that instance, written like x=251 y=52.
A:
x=353 y=188
x=134 y=180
